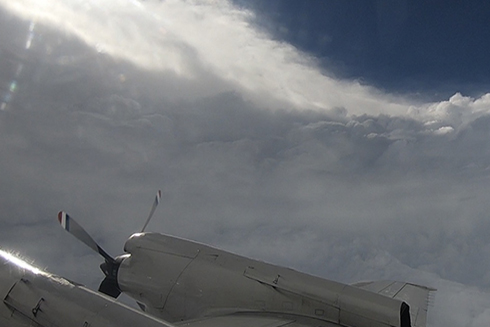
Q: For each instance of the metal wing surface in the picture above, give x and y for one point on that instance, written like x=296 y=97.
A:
x=254 y=320
x=417 y=296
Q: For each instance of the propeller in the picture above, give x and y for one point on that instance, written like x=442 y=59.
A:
x=153 y=208
x=110 y=266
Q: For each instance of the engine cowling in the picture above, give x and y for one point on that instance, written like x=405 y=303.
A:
x=178 y=279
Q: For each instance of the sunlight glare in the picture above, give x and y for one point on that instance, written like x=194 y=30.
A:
x=20 y=263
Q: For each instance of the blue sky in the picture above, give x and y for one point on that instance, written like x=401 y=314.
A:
x=429 y=47
x=350 y=142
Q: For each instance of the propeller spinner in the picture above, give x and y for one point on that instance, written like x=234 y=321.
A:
x=110 y=266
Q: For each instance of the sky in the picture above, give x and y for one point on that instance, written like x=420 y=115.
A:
x=424 y=47
x=345 y=140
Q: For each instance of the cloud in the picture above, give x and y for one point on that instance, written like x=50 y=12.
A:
x=220 y=41
x=347 y=183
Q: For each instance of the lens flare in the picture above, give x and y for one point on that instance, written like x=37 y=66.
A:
x=13 y=85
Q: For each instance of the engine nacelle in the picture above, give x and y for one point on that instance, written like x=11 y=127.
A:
x=178 y=279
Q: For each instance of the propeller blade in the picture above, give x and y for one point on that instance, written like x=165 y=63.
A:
x=153 y=208
x=71 y=226
x=109 y=267
x=109 y=287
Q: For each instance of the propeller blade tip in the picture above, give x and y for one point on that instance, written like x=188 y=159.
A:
x=62 y=218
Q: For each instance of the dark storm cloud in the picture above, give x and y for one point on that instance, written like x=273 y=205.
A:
x=343 y=192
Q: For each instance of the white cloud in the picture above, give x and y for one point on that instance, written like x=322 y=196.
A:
x=195 y=39
x=458 y=111
x=443 y=130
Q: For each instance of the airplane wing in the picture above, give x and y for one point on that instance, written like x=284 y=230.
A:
x=417 y=296
x=254 y=320
x=194 y=285
x=31 y=297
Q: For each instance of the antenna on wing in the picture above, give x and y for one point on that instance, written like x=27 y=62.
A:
x=153 y=208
